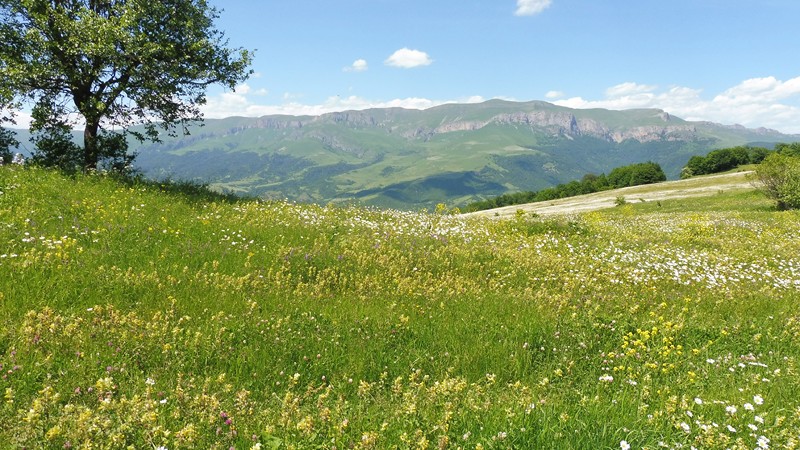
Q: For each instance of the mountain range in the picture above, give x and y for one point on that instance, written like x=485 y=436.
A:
x=454 y=153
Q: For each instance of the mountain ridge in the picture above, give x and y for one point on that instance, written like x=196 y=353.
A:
x=451 y=153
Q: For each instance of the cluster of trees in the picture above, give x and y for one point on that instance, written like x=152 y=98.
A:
x=630 y=175
x=724 y=159
x=108 y=65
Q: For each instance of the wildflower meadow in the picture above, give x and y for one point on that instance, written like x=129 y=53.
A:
x=138 y=318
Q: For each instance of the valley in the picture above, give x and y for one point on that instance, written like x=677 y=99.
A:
x=414 y=159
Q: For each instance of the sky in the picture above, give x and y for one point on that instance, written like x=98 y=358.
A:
x=726 y=61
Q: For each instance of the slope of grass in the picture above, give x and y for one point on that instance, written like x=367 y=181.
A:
x=693 y=190
x=131 y=317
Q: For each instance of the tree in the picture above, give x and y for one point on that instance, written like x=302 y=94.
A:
x=115 y=63
x=779 y=175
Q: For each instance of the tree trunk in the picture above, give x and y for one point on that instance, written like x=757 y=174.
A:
x=91 y=152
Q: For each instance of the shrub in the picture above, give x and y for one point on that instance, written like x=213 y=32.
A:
x=780 y=179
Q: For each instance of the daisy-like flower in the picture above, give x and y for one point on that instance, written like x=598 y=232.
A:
x=698 y=400
x=730 y=409
x=623 y=445
x=731 y=429
x=749 y=407
x=758 y=400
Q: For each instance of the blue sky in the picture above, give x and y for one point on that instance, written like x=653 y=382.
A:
x=727 y=61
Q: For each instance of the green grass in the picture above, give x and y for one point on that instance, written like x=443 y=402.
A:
x=137 y=317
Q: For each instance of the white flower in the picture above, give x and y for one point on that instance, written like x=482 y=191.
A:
x=163 y=401
x=752 y=426
x=763 y=442
x=731 y=429
x=759 y=419
x=606 y=377
x=685 y=426
x=749 y=407
x=758 y=400
x=730 y=409
x=623 y=445
x=698 y=400
x=149 y=381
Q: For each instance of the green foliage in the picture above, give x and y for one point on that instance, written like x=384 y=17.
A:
x=630 y=175
x=779 y=176
x=792 y=149
x=7 y=142
x=724 y=159
x=52 y=137
x=116 y=63
x=636 y=174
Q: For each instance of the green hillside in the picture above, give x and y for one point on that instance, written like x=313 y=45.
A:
x=133 y=317
x=411 y=159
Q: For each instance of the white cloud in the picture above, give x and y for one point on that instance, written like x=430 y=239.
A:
x=552 y=95
x=226 y=105
x=628 y=89
x=407 y=58
x=756 y=102
x=531 y=7
x=358 y=65
x=242 y=89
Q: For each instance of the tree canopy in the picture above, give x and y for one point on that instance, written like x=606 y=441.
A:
x=115 y=64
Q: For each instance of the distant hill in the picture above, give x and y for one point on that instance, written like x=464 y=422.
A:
x=455 y=153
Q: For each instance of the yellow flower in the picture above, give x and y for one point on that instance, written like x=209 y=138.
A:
x=53 y=433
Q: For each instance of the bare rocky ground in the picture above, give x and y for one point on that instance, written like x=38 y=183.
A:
x=693 y=187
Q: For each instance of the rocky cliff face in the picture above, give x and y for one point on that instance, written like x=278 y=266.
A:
x=557 y=122
x=566 y=124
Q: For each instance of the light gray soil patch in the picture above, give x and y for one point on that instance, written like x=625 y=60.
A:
x=693 y=187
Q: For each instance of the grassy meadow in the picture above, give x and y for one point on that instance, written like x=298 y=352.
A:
x=135 y=318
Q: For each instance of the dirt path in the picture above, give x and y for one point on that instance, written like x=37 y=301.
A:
x=693 y=187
